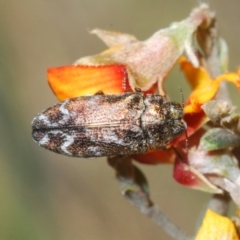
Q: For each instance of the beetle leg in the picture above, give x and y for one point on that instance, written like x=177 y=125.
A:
x=100 y=92
x=138 y=90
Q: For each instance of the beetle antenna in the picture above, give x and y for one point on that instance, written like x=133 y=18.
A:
x=186 y=134
x=186 y=141
x=182 y=97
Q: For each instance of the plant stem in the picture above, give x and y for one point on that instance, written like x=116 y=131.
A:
x=135 y=189
x=209 y=42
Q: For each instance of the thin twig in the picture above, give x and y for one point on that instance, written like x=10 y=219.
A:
x=135 y=189
x=154 y=213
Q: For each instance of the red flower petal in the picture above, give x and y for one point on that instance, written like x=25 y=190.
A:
x=190 y=177
x=194 y=121
x=156 y=157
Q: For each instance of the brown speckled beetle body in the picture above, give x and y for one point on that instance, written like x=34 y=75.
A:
x=109 y=125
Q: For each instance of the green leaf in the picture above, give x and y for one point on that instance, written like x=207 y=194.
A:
x=218 y=138
x=141 y=180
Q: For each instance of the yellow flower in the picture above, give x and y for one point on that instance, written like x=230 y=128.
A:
x=216 y=227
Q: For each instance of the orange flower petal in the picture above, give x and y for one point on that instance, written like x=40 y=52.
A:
x=204 y=87
x=73 y=81
x=197 y=77
x=230 y=77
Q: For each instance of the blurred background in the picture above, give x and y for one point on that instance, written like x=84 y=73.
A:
x=45 y=196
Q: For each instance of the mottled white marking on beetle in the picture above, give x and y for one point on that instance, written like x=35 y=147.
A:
x=68 y=141
x=35 y=119
x=108 y=135
x=45 y=140
x=63 y=108
x=45 y=119
x=96 y=150
x=66 y=114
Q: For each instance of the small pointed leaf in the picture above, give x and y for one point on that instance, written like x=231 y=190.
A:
x=232 y=122
x=217 y=109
